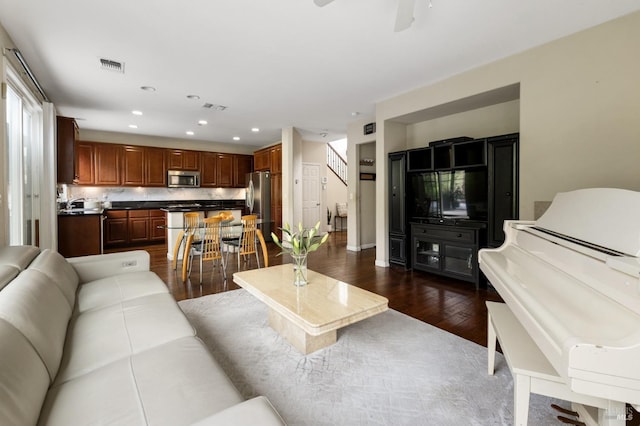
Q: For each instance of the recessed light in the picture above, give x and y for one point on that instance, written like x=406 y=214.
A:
x=355 y=113
x=202 y=122
x=194 y=97
x=236 y=138
x=133 y=126
x=190 y=132
x=148 y=88
x=255 y=130
x=136 y=112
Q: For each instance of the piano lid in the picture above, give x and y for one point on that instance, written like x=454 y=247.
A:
x=606 y=217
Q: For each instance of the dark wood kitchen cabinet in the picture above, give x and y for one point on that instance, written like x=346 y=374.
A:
x=134 y=227
x=85 y=171
x=67 y=134
x=107 y=164
x=242 y=164
x=138 y=226
x=143 y=166
x=79 y=235
x=116 y=228
x=225 y=170
x=155 y=163
x=209 y=169
x=276 y=158
x=133 y=166
x=182 y=159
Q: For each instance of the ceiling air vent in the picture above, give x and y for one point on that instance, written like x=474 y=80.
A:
x=214 y=106
x=111 y=65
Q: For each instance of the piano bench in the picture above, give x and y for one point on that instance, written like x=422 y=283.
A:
x=531 y=371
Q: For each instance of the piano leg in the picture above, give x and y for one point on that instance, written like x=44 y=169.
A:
x=521 y=392
x=614 y=415
x=491 y=345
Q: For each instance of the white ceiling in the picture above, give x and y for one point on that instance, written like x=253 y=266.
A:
x=274 y=64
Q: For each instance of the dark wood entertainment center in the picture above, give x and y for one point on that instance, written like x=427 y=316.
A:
x=445 y=236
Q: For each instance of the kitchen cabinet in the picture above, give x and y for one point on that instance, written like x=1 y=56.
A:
x=143 y=166
x=155 y=164
x=276 y=158
x=276 y=202
x=84 y=163
x=242 y=164
x=116 y=228
x=209 y=169
x=262 y=160
x=107 y=164
x=182 y=159
x=157 y=219
x=225 y=170
x=79 y=235
x=66 y=136
x=133 y=166
x=134 y=227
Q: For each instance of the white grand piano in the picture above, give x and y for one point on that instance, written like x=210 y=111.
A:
x=572 y=280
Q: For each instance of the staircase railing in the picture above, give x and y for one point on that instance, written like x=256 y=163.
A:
x=337 y=164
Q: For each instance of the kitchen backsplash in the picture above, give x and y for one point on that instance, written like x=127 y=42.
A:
x=101 y=193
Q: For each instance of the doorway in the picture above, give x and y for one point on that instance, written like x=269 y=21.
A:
x=310 y=194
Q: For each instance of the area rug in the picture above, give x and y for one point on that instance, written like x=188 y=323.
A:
x=390 y=369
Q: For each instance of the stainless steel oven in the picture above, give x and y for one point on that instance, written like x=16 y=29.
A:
x=183 y=179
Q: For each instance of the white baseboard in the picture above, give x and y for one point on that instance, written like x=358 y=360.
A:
x=367 y=246
x=382 y=263
x=354 y=248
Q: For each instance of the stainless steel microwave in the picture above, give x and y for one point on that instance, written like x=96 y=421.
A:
x=183 y=179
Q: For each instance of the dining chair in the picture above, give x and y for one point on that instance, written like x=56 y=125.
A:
x=209 y=247
x=265 y=254
x=246 y=243
x=190 y=222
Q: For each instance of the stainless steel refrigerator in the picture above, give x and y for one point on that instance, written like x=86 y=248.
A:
x=258 y=186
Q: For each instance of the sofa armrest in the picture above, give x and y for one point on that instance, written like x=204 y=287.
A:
x=254 y=412
x=90 y=268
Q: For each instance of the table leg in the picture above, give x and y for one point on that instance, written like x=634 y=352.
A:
x=298 y=338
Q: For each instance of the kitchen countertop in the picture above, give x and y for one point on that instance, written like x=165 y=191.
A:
x=165 y=205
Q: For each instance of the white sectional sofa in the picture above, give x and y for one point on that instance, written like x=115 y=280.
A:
x=99 y=340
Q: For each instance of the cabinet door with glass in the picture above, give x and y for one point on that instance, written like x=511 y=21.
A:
x=426 y=254
x=460 y=260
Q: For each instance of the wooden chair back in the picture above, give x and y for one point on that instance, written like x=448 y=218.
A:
x=210 y=246
x=248 y=239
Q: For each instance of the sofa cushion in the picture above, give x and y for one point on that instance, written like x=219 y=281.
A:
x=172 y=384
x=61 y=273
x=37 y=308
x=100 y=336
x=23 y=378
x=7 y=273
x=18 y=256
x=116 y=289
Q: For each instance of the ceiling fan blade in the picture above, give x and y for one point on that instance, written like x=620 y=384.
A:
x=322 y=2
x=404 y=18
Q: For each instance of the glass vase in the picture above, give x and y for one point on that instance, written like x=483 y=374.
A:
x=299 y=269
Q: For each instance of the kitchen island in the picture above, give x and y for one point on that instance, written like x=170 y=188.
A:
x=175 y=218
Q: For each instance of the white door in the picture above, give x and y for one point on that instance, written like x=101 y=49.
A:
x=310 y=194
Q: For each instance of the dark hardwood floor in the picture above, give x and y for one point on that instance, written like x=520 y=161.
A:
x=449 y=304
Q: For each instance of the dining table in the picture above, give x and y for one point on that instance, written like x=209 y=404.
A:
x=230 y=229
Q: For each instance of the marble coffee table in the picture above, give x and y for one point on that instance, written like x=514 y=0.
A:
x=309 y=316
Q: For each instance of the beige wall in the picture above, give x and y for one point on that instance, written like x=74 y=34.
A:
x=367 y=199
x=579 y=113
x=162 y=142
x=492 y=120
